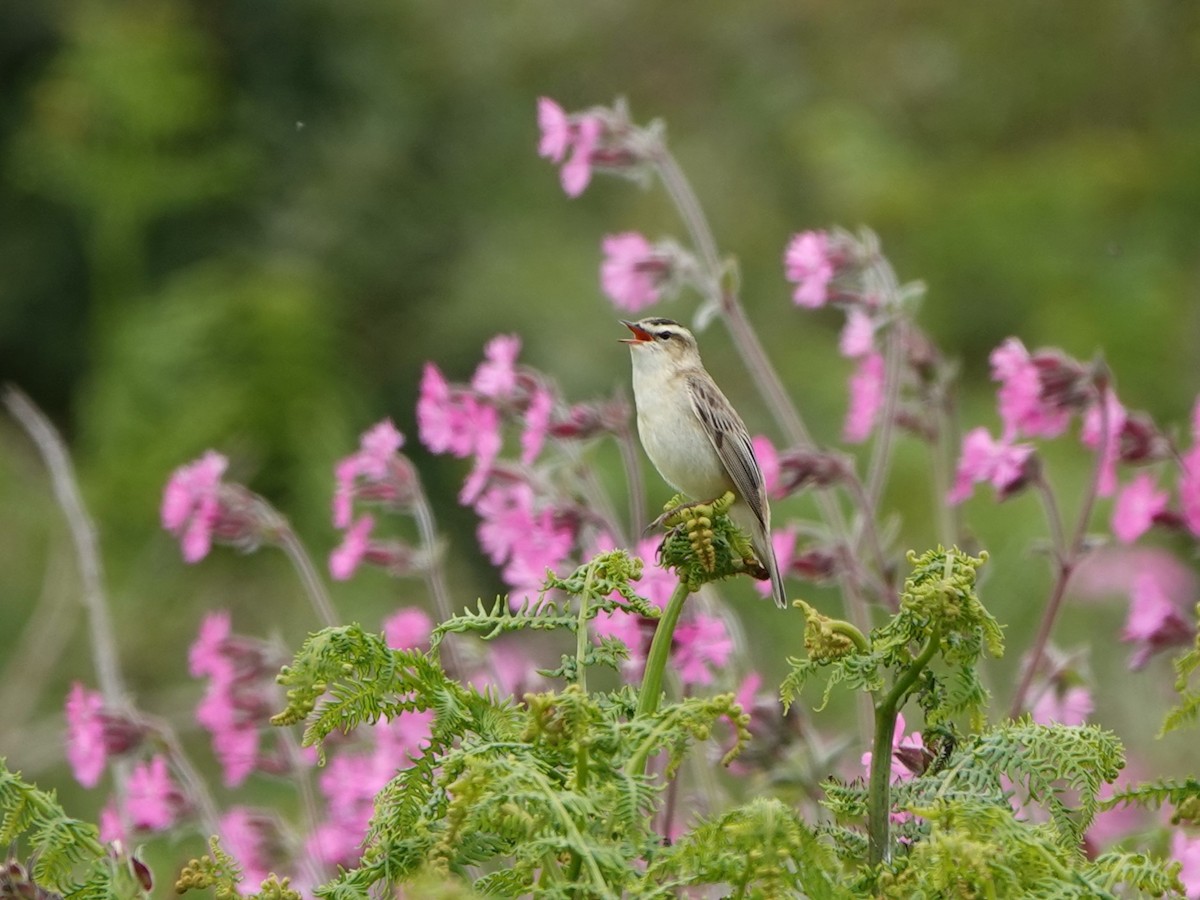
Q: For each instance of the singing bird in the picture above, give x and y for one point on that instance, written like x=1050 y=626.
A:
x=694 y=436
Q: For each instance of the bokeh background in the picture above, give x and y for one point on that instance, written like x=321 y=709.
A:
x=245 y=224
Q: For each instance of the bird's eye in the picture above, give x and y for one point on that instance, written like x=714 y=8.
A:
x=665 y=335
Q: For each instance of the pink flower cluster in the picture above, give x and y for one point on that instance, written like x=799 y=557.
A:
x=523 y=529
x=199 y=508
x=600 y=138
x=379 y=476
x=812 y=261
x=636 y=274
x=239 y=696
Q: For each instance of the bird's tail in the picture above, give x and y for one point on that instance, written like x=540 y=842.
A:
x=766 y=554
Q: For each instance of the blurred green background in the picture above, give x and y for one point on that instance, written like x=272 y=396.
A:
x=245 y=224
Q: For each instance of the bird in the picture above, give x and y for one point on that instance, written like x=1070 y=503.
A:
x=694 y=436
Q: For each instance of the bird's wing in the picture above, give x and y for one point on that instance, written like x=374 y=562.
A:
x=732 y=442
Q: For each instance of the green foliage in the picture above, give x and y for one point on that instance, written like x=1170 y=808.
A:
x=978 y=850
x=220 y=872
x=548 y=796
x=1184 y=796
x=762 y=850
x=1188 y=707
x=939 y=611
x=67 y=857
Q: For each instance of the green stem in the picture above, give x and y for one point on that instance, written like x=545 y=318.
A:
x=660 y=652
x=842 y=627
x=879 y=790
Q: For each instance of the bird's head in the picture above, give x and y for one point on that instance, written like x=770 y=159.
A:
x=661 y=341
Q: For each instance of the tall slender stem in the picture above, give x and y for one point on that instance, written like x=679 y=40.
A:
x=313 y=586
x=879 y=789
x=83 y=532
x=660 y=652
x=1067 y=556
x=434 y=577
x=633 y=480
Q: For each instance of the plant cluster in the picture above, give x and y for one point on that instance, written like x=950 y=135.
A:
x=560 y=740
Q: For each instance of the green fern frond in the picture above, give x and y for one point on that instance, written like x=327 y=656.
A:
x=1059 y=768
x=1188 y=709
x=762 y=849
x=67 y=856
x=1138 y=872
x=1184 y=796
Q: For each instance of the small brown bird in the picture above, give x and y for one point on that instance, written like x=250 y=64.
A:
x=694 y=436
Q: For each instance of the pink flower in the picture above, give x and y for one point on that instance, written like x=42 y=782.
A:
x=1004 y=464
x=348 y=556
x=1103 y=432
x=903 y=746
x=1070 y=707
x=86 y=748
x=1186 y=849
x=1136 y=507
x=700 y=646
x=407 y=629
x=556 y=130
x=866 y=398
x=858 y=336
x=378 y=445
x=1023 y=407
x=238 y=697
x=496 y=376
x=768 y=462
x=632 y=272
x=191 y=504
x=525 y=540
x=249 y=836
x=450 y=420
x=808 y=265
x=1155 y=622
x=784 y=542
x=153 y=802
x=109 y=825
x=576 y=173
x=537 y=423
x=488 y=442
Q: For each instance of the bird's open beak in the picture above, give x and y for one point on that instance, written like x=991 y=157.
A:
x=640 y=335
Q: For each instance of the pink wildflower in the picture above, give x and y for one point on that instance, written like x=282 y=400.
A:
x=348 y=555
x=537 y=424
x=488 y=442
x=239 y=694
x=191 y=504
x=633 y=271
x=86 y=749
x=251 y=837
x=1189 y=489
x=450 y=419
x=701 y=646
x=377 y=446
x=1004 y=464
x=576 y=173
x=109 y=825
x=1136 y=507
x=1022 y=395
x=1186 y=850
x=1155 y=622
x=1102 y=427
x=808 y=265
x=866 y=398
x=153 y=802
x=496 y=376
x=407 y=629
x=858 y=335
x=1071 y=706
x=556 y=130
